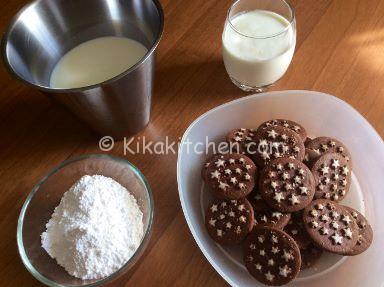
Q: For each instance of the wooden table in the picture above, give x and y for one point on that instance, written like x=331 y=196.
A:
x=340 y=51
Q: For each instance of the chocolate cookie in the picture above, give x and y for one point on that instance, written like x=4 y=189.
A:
x=287 y=185
x=239 y=139
x=332 y=176
x=231 y=177
x=309 y=256
x=229 y=221
x=276 y=142
x=321 y=145
x=330 y=226
x=295 y=228
x=297 y=128
x=365 y=232
x=271 y=256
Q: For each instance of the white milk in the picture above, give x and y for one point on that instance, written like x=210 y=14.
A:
x=96 y=61
x=257 y=62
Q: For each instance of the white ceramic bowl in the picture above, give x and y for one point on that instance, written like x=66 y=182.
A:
x=321 y=115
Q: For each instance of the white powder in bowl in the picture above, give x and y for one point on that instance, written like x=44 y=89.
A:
x=95 y=229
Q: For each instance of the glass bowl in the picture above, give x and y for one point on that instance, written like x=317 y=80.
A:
x=46 y=195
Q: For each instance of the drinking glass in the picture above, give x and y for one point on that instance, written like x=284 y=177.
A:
x=256 y=54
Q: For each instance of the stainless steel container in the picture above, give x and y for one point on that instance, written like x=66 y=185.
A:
x=43 y=31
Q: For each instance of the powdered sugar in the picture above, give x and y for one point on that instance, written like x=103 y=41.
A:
x=95 y=229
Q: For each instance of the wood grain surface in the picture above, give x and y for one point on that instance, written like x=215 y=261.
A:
x=340 y=51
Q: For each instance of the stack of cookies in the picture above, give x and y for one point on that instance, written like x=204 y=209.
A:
x=277 y=193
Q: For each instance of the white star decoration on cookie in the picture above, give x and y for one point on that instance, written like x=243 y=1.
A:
x=278 y=196
x=275 y=250
x=269 y=276
x=258 y=266
x=337 y=239
x=297 y=179
x=233 y=180
x=274 y=184
x=223 y=185
x=314 y=224
x=335 y=163
x=345 y=170
x=294 y=200
x=335 y=214
x=346 y=219
x=271 y=262
x=334 y=225
x=287 y=255
x=288 y=186
x=219 y=163
x=284 y=271
x=325 y=169
x=272 y=134
x=215 y=174
x=324 y=231
x=314 y=213
x=303 y=190
x=347 y=233
x=319 y=206
x=335 y=176
x=291 y=165
x=324 y=218
x=212 y=222
x=324 y=147
x=214 y=208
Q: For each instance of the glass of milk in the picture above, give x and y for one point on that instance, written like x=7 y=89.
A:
x=259 y=40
